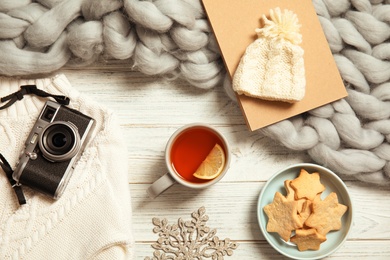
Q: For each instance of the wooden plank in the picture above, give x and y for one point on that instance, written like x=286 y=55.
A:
x=150 y=109
x=232 y=209
x=351 y=250
x=254 y=157
x=142 y=100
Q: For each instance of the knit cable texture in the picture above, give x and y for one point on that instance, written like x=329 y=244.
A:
x=172 y=38
x=96 y=202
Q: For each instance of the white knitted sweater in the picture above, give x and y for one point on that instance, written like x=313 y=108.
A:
x=92 y=219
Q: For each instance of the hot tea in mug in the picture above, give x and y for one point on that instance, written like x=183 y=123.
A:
x=191 y=148
x=196 y=155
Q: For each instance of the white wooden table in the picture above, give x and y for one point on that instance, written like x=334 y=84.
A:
x=151 y=109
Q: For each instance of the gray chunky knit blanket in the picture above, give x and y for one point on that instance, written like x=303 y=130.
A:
x=173 y=38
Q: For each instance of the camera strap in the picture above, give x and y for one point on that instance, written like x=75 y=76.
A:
x=17 y=187
x=12 y=98
x=31 y=90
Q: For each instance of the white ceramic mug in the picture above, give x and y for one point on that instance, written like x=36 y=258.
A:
x=172 y=176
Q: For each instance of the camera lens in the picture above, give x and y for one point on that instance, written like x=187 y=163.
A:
x=59 y=141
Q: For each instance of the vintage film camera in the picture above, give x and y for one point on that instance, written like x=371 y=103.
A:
x=51 y=149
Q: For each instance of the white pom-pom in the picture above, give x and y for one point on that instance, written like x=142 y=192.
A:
x=281 y=26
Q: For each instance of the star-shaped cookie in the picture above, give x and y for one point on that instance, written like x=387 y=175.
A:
x=291 y=194
x=307 y=185
x=307 y=239
x=326 y=215
x=282 y=216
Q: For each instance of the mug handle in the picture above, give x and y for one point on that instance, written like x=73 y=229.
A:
x=160 y=185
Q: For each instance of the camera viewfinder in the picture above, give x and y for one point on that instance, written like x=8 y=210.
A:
x=48 y=114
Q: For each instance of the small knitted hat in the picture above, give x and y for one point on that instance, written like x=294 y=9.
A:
x=272 y=67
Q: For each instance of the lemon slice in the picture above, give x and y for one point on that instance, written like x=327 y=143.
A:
x=213 y=165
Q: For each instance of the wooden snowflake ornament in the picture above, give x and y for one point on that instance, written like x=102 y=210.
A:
x=189 y=240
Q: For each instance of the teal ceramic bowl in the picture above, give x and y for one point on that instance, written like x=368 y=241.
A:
x=333 y=183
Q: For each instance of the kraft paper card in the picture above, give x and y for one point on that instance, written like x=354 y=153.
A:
x=234 y=23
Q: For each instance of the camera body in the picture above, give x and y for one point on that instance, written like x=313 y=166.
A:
x=54 y=144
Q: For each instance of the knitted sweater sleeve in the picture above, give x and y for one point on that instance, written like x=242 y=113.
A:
x=113 y=252
x=92 y=219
